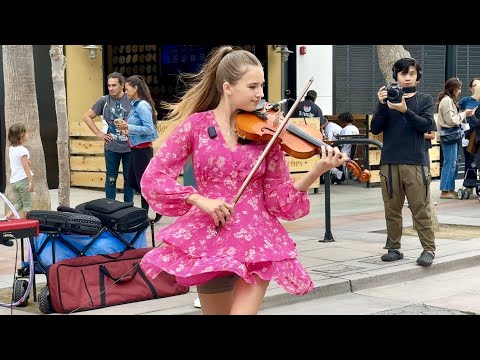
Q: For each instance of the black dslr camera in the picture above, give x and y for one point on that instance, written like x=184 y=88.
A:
x=395 y=92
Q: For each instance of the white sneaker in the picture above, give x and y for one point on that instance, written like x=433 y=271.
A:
x=197 y=304
x=3 y=218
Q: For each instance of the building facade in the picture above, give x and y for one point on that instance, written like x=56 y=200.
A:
x=346 y=78
x=85 y=80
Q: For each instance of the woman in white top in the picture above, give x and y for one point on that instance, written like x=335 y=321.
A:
x=449 y=118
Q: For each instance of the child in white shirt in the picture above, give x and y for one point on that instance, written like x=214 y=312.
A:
x=21 y=176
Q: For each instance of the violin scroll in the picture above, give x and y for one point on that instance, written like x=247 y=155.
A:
x=361 y=175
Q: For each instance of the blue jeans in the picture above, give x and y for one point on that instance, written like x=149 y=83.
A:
x=112 y=162
x=450 y=166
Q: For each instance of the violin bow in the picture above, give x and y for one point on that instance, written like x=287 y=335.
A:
x=269 y=146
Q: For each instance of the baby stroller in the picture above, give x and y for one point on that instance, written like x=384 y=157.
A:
x=469 y=182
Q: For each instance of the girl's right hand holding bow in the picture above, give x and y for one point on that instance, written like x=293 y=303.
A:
x=218 y=209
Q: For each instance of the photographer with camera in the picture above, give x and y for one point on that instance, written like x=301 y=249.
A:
x=405 y=115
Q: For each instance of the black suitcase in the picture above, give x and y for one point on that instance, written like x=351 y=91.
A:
x=117 y=215
x=65 y=222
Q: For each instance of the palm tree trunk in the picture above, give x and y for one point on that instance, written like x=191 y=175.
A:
x=387 y=55
x=58 y=76
x=21 y=107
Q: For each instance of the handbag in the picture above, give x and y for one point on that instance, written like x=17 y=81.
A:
x=472 y=146
x=450 y=135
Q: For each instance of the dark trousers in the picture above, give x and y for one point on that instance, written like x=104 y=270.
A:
x=139 y=160
x=413 y=182
x=112 y=164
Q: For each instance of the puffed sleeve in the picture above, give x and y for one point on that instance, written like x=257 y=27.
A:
x=282 y=199
x=159 y=181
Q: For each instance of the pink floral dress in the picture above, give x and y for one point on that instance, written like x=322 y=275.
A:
x=253 y=241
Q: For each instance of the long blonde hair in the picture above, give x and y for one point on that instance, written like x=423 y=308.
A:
x=204 y=90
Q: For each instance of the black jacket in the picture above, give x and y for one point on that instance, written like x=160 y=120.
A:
x=403 y=134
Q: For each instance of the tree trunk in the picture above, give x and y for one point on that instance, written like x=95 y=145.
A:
x=387 y=55
x=58 y=76
x=21 y=107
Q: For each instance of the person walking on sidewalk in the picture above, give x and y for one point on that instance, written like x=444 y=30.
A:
x=403 y=164
x=110 y=107
x=449 y=120
x=231 y=268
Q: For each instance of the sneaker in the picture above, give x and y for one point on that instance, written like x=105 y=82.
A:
x=426 y=258
x=448 y=195
x=3 y=218
x=197 y=304
x=392 y=255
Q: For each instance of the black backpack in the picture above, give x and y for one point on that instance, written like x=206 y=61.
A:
x=116 y=215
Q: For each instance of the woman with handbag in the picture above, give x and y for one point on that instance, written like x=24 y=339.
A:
x=449 y=120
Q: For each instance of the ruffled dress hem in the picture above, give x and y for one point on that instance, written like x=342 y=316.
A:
x=191 y=271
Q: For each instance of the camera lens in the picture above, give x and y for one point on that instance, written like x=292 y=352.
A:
x=394 y=94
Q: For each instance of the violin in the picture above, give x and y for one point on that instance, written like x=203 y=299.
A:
x=299 y=141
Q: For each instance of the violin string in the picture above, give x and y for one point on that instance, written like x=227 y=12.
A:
x=306 y=136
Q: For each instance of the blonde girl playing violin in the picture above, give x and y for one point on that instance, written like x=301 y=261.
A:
x=232 y=268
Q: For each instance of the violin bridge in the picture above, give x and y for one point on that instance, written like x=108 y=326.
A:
x=276 y=121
